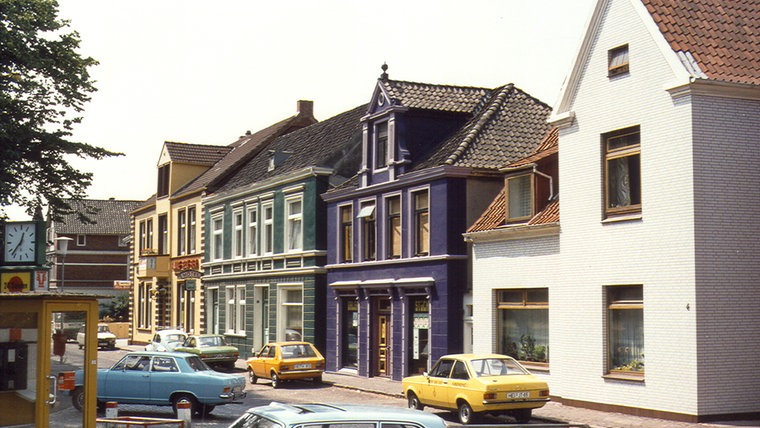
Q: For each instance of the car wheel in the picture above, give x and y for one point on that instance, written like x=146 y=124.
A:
x=77 y=398
x=465 y=413
x=317 y=379
x=276 y=382
x=414 y=402
x=185 y=397
x=522 y=415
x=252 y=376
x=205 y=410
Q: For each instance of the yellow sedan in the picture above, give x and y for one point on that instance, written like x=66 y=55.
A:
x=472 y=384
x=281 y=361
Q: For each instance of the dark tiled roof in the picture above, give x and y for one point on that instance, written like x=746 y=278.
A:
x=196 y=154
x=332 y=143
x=507 y=128
x=723 y=36
x=111 y=217
x=458 y=99
x=548 y=146
x=245 y=148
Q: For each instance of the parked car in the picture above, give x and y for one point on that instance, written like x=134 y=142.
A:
x=163 y=379
x=106 y=339
x=472 y=384
x=281 y=361
x=335 y=416
x=166 y=340
x=212 y=348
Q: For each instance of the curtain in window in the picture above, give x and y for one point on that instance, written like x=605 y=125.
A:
x=619 y=183
x=627 y=339
x=525 y=334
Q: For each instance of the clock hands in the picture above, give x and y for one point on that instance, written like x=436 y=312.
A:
x=20 y=241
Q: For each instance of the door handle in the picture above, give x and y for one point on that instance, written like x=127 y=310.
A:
x=53 y=393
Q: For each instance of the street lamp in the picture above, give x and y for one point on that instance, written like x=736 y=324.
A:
x=63 y=247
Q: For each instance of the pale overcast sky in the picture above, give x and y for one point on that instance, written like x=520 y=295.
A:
x=205 y=72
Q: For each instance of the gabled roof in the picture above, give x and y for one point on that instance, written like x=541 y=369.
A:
x=494 y=216
x=507 y=128
x=111 y=217
x=723 y=36
x=334 y=143
x=195 y=154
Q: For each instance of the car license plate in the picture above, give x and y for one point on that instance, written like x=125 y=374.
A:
x=523 y=394
x=303 y=366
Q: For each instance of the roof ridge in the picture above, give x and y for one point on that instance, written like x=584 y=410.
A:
x=439 y=85
x=494 y=107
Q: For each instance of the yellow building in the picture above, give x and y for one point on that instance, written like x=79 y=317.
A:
x=167 y=230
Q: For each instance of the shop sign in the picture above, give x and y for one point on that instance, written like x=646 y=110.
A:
x=189 y=274
x=15 y=282
x=188 y=264
x=122 y=285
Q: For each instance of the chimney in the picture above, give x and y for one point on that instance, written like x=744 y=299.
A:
x=305 y=108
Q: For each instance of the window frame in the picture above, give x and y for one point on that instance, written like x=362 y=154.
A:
x=81 y=240
x=252 y=230
x=615 y=303
x=191 y=229
x=629 y=152
x=293 y=220
x=217 y=237
x=368 y=230
x=284 y=304
x=345 y=233
x=421 y=235
x=618 y=61
x=163 y=234
x=381 y=138
x=182 y=231
x=162 y=187
x=238 y=242
x=393 y=223
x=522 y=217
x=525 y=302
x=267 y=236
x=234 y=317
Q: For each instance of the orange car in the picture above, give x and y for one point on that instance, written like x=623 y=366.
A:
x=286 y=361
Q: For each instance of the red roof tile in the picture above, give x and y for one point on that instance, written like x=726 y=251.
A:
x=723 y=36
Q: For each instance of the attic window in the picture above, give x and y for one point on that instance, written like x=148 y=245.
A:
x=617 y=61
x=163 y=181
x=519 y=198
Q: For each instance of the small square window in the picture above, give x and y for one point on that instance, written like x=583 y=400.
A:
x=617 y=61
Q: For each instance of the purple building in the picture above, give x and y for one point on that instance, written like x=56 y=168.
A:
x=397 y=273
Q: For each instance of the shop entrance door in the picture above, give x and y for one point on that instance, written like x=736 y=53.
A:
x=382 y=337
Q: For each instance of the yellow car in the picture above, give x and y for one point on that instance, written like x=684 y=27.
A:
x=286 y=361
x=473 y=384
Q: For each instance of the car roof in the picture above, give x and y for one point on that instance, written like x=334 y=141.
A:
x=162 y=354
x=317 y=412
x=473 y=356
x=289 y=343
x=163 y=332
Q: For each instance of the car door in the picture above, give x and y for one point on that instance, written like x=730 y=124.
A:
x=127 y=381
x=457 y=383
x=438 y=380
x=258 y=364
x=165 y=378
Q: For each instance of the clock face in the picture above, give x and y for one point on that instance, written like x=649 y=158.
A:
x=20 y=242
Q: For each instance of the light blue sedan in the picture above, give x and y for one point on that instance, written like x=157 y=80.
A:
x=163 y=379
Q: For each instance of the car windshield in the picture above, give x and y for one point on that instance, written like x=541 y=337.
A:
x=250 y=420
x=175 y=337
x=197 y=364
x=297 y=351
x=211 y=341
x=497 y=367
x=103 y=329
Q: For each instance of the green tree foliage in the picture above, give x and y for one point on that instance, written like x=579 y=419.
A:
x=44 y=84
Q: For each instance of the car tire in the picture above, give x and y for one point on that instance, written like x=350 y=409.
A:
x=465 y=413
x=522 y=415
x=77 y=398
x=276 y=382
x=252 y=376
x=317 y=379
x=414 y=401
x=185 y=397
x=205 y=410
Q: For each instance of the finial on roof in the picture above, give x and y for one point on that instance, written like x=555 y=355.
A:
x=384 y=76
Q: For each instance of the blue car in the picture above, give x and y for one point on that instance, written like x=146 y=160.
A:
x=163 y=379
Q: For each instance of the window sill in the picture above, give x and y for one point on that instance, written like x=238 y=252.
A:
x=630 y=377
x=622 y=218
x=542 y=368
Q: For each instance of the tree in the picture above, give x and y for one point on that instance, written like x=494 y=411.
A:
x=44 y=84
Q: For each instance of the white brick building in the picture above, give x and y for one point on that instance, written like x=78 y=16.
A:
x=653 y=277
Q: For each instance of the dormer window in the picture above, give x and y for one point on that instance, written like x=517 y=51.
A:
x=617 y=61
x=381 y=145
x=163 y=181
x=519 y=198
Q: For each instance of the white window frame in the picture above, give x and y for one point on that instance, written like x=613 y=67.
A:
x=252 y=231
x=238 y=240
x=182 y=232
x=217 y=237
x=191 y=231
x=267 y=235
x=284 y=304
x=293 y=222
x=234 y=317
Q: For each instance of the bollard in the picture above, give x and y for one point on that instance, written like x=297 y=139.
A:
x=185 y=412
x=112 y=412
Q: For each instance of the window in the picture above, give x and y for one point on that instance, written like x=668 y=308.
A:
x=163 y=235
x=617 y=61
x=393 y=207
x=190 y=230
x=381 y=145
x=217 y=230
x=349 y=339
x=268 y=237
x=622 y=169
x=235 y=317
x=253 y=231
x=294 y=224
x=523 y=329
x=367 y=217
x=143 y=237
x=163 y=181
x=626 y=329
x=143 y=305
x=291 y=314
x=421 y=223
x=81 y=240
x=181 y=232
x=519 y=198
x=237 y=234
x=346 y=236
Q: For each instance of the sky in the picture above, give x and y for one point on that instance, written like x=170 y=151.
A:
x=205 y=72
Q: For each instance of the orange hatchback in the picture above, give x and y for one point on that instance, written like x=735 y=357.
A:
x=282 y=361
